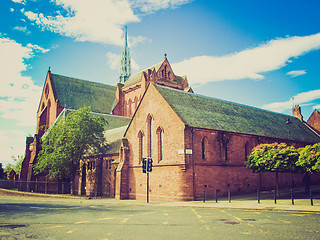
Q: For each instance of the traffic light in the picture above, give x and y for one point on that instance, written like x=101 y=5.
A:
x=144 y=165
x=149 y=164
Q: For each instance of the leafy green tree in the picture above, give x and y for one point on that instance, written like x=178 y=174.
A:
x=16 y=165
x=275 y=157
x=68 y=141
x=309 y=158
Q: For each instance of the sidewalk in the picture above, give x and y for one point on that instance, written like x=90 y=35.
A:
x=244 y=201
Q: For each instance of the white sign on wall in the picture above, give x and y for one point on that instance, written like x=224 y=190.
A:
x=188 y=151
x=180 y=151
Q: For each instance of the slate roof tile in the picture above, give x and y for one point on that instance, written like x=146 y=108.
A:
x=210 y=113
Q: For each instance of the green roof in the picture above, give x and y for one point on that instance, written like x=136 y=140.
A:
x=113 y=121
x=75 y=93
x=114 y=137
x=133 y=79
x=210 y=113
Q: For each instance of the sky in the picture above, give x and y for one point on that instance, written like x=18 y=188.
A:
x=262 y=53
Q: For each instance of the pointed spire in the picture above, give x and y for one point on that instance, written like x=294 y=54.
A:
x=125 y=62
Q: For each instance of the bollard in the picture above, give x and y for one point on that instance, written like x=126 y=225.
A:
x=204 y=196
x=216 y=196
x=258 y=195
x=229 y=195
x=292 y=199
x=311 y=200
x=275 y=197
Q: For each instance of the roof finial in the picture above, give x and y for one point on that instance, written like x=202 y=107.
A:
x=49 y=69
x=165 y=56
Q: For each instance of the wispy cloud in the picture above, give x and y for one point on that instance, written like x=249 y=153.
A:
x=20 y=1
x=99 y=21
x=249 y=63
x=96 y=21
x=297 y=73
x=150 y=6
x=12 y=143
x=22 y=29
x=301 y=98
x=19 y=96
x=113 y=61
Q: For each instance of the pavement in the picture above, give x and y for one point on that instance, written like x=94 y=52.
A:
x=301 y=202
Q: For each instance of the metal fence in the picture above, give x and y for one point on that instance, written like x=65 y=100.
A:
x=47 y=187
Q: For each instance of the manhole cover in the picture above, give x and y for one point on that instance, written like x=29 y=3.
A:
x=249 y=220
x=233 y=223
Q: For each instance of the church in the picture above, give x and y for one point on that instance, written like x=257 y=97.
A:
x=197 y=143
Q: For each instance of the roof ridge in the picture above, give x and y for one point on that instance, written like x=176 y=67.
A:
x=223 y=100
x=83 y=80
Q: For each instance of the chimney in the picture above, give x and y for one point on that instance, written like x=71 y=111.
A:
x=296 y=112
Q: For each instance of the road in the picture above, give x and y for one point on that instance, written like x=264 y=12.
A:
x=32 y=218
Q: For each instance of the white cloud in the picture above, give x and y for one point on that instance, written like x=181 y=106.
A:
x=150 y=6
x=301 y=98
x=250 y=63
x=297 y=73
x=95 y=21
x=98 y=20
x=19 y=96
x=12 y=143
x=113 y=60
x=22 y=29
x=20 y=1
x=11 y=9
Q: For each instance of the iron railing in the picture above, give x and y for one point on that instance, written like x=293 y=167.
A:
x=47 y=187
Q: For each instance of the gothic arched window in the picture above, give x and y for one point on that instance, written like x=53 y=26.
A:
x=246 y=151
x=149 y=135
x=140 y=137
x=203 y=148
x=160 y=143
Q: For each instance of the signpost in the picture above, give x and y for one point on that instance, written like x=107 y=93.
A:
x=147 y=168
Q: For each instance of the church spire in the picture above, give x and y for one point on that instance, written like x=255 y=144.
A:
x=125 y=62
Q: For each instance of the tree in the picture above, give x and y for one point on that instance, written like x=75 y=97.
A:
x=68 y=141
x=275 y=157
x=309 y=158
x=16 y=166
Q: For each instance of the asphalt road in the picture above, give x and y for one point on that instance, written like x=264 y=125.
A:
x=34 y=218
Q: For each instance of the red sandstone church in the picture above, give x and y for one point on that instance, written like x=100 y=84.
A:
x=196 y=142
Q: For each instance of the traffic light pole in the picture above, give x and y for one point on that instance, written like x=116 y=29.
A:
x=147 y=187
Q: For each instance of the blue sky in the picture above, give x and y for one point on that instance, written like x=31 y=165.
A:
x=259 y=53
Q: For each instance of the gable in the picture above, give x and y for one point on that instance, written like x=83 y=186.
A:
x=152 y=103
x=209 y=113
x=47 y=94
x=314 y=120
x=75 y=93
x=161 y=73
